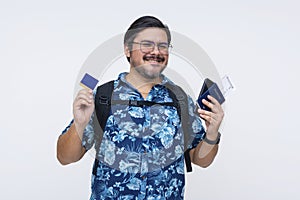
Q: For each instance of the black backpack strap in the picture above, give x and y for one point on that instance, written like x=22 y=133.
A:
x=177 y=94
x=103 y=105
x=101 y=113
x=141 y=103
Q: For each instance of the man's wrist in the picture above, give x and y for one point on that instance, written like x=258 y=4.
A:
x=79 y=129
x=210 y=141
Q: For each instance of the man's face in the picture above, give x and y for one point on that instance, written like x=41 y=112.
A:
x=149 y=54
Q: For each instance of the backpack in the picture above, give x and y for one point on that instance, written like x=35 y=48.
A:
x=103 y=108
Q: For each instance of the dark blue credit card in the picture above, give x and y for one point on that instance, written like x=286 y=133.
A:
x=212 y=89
x=88 y=81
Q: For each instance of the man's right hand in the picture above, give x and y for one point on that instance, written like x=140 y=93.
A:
x=83 y=108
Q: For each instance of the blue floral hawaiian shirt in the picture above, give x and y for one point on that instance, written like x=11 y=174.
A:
x=141 y=153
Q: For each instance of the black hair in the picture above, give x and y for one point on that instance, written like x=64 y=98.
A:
x=141 y=24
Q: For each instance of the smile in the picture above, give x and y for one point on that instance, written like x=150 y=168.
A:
x=154 y=58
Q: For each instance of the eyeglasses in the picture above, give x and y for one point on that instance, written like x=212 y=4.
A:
x=148 y=46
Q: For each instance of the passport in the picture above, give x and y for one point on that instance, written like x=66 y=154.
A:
x=209 y=88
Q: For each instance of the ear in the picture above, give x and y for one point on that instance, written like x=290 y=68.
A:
x=126 y=50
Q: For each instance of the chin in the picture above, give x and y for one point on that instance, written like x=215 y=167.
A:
x=150 y=70
x=153 y=75
x=150 y=74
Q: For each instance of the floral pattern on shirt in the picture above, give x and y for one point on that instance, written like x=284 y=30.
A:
x=141 y=153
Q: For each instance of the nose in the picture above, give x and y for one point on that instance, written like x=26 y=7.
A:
x=155 y=49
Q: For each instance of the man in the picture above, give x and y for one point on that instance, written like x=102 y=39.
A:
x=141 y=153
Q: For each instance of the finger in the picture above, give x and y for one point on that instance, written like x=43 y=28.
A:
x=204 y=112
x=207 y=103
x=215 y=105
x=84 y=93
x=85 y=96
x=82 y=102
x=207 y=113
x=218 y=112
x=87 y=92
x=207 y=118
x=213 y=100
x=88 y=99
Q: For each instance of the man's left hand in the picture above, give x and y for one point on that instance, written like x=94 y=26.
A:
x=212 y=118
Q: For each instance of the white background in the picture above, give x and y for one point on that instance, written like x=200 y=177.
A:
x=43 y=45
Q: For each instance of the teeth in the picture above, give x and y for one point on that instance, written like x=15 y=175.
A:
x=157 y=60
x=153 y=59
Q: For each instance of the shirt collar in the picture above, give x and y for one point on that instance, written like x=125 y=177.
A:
x=122 y=78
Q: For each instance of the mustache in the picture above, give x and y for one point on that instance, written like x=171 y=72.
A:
x=158 y=58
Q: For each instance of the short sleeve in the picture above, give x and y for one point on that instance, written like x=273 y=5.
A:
x=197 y=131
x=88 y=134
x=88 y=137
x=67 y=127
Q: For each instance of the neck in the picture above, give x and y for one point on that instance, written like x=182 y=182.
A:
x=141 y=83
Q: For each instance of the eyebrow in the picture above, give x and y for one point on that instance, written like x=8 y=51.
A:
x=154 y=42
